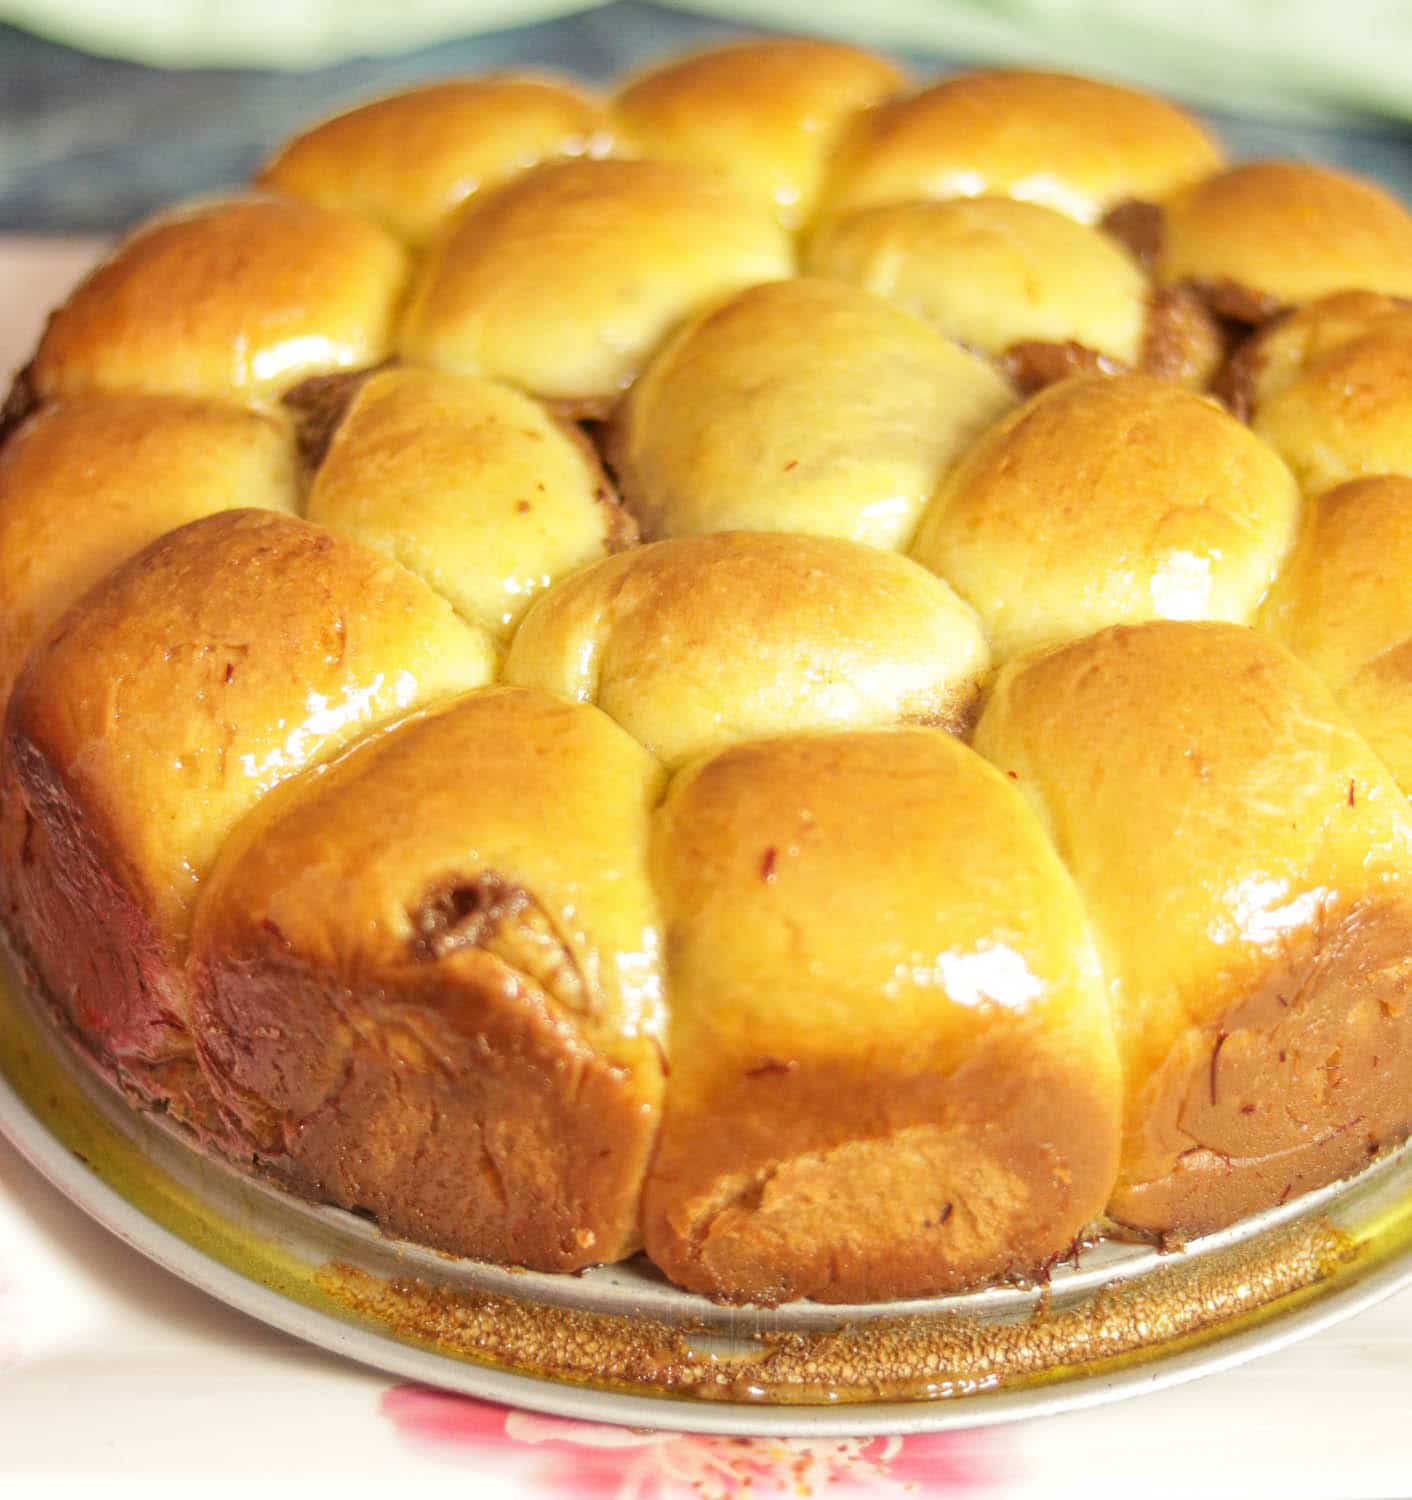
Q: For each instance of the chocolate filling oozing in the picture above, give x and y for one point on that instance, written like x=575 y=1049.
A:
x=1301 y=1081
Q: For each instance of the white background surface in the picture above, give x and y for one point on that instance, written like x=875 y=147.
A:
x=110 y=1367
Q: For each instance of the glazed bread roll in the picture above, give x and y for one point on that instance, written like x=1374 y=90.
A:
x=87 y=482
x=1246 y=863
x=804 y=406
x=1073 y=144
x=1264 y=234
x=765 y=114
x=1110 y=500
x=407 y=161
x=695 y=643
x=1344 y=607
x=1348 y=412
x=893 y=1071
x=213 y=665
x=477 y=1001
x=241 y=297
x=473 y=486
x=993 y=272
x=564 y=280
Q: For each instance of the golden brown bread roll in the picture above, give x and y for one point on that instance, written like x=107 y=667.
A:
x=1110 y=500
x=476 y=1001
x=472 y=485
x=564 y=280
x=210 y=667
x=406 y=161
x=1073 y=144
x=87 y=482
x=695 y=643
x=1344 y=607
x=239 y=297
x=893 y=1070
x=804 y=406
x=992 y=272
x=764 y=113
x=1278 y=232
x=1348 y=411
x=1246 y=864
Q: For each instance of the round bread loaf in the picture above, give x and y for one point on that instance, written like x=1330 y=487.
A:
x=553 y=877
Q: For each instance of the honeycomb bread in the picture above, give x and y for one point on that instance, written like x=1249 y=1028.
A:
x=781 y=669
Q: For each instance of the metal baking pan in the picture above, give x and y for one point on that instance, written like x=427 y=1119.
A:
x=619 y=1344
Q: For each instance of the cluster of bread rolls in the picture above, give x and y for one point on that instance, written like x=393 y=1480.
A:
x=804 y=674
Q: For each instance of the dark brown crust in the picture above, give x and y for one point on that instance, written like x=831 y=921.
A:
x=845 y=1183
x=1033 y=364
x=102 y=963
x=1298 y=1084
x=319 y=406
x=1139 y=226
x=1236 y=381
x=450 y=1098
x=1184 y=341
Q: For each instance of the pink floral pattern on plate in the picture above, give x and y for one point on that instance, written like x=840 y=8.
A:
x=585 y=1459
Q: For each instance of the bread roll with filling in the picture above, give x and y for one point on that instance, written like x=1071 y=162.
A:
x=765 y=114
x=225 y=657
x=1246 y=864
x=1110 y=500
x=893 y=1070
x=695 y=643
x=87 y=482
x=1072 y=144
x=993 y=272
x=804 y=406
x=1349 y=413
x=237 y=298
x=1343 y=606
x=475 y=1002
x=1280 y=232
x=408 y=160
x=564 y=280
x=470 y=484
